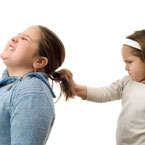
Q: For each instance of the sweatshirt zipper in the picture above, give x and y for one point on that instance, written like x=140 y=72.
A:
x=9 y=88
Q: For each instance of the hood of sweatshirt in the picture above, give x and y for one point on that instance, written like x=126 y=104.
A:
x=6 y=79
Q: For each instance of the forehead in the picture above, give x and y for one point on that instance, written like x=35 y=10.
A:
x=33 y=32
x=126 y=49
x=126 y=52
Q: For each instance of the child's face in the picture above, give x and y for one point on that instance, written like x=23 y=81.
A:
x=134 y=65
x=22 y=50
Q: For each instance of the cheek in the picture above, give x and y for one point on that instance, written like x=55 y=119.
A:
x=27 y=53
x=138 y=70
x=133 y=69
x=143 y=69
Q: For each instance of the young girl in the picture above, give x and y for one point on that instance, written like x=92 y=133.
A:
x=26 y=99
x=131 y=89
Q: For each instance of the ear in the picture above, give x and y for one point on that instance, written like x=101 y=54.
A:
x=40 y=63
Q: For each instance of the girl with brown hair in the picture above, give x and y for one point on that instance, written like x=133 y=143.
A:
x=130 y=89
x=26 y=99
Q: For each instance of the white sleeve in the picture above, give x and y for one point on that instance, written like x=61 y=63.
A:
x=108 y=93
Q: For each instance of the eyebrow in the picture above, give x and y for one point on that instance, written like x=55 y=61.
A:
x=25 y=35
x=128 y=59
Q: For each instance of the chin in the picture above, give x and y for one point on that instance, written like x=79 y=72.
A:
x=133 y=79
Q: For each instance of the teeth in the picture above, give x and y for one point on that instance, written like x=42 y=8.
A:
x=11 y=49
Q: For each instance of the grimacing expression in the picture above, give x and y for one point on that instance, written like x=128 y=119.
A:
x=133 y=64
x=22 y=50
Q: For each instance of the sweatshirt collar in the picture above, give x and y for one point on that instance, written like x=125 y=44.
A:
x=6 y=79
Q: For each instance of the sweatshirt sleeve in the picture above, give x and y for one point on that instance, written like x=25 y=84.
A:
x=32 y=114
x=108 y=93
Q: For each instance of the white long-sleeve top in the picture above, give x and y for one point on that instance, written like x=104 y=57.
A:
x=131 y=122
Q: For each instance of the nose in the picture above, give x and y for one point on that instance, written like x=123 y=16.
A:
x=126 y=67
x=15 y=39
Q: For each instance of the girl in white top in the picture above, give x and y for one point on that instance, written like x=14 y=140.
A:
x=131 y=89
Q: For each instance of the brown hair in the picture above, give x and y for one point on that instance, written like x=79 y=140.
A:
x=51 y=46
x=138 y=36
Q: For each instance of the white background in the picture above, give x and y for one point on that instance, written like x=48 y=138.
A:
x=92 y=32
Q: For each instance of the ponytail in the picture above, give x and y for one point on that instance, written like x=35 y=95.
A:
x=64 y=78
x=51 y=47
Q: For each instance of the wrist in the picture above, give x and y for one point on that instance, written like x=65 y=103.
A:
x=81 y=91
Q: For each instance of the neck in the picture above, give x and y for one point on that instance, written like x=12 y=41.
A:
x=19 y=72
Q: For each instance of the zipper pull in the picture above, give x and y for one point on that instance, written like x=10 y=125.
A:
x=13 y=84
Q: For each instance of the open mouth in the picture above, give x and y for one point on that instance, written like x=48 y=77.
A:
x=10 y=48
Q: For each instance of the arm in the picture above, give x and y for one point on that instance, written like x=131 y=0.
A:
x=105 y=94
x=32 y=116
x=102 y=94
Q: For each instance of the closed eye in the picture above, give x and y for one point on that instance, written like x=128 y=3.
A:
x=24 y=38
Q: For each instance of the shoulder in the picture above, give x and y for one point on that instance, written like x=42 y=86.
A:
x=31 y=87
x=32 y=84
x=126 y=80
x=121 y=82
